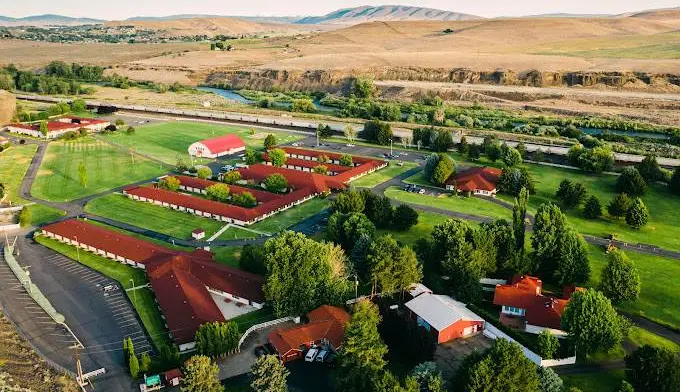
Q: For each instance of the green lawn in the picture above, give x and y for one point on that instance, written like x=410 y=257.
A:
x=13 y=165
x=641 y=337
x=170 y=141
x=595 y=382
x=386 y=174
x=467 y=205
x=662 y=230
x=426 y=223
x=142 y=299
x=107 y=167
x=227 y=255
x=236 y=233
x=151 y=217
x=257 y=317
x=418 y=179
x=291 y=216
x=660 y=294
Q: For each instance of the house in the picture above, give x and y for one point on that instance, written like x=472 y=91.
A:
x=58 y=127
x=191 y=288
x=217 y=147
x=326 y=327
x=476 y=180
x=526 y=308
x=445 y=318
x=173 y=377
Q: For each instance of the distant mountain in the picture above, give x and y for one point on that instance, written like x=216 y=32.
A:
x=47 y=20
x=260 y=19
x=384 y=13
x=564 y=15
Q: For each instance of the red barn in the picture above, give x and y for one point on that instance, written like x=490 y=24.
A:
x=217 y=147
x=446 y=318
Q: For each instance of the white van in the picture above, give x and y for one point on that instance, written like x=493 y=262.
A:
x=321 y=356
x=311 y=355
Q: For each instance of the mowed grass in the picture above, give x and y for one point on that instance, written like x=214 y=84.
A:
x=107 y=167
x=606 y=381
x=151 y=217
x=426 y=223
x=466 y=205
x=169 y=141
x=663 y=229
x=383 y=175
x=142 y=299
x=660 y=293
x=253 y=318
x=640 y=337
x=14 y=163
x=291 y=216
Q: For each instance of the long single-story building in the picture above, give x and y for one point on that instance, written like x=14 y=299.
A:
x=59 y=126
x=191 y=288
x=476 y=180
x=445 y=318
x=326 y=327
x=217 y=147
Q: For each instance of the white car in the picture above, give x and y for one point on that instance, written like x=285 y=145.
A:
x=311 y=355
x=321 y=356
x=350 y=145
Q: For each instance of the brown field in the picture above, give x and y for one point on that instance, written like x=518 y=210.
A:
x=7 y=107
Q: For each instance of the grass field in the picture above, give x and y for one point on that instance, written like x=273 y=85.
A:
x=227 y=255
x=107 y=167
x=143 y=299
x=249 y=319
x=660 y=293
x=151 y=217
x=467 y=205
x=383 y=175
x=169 y=141
x=426 y=223
x=600 y=382
x=290 y=217
x=662 y=230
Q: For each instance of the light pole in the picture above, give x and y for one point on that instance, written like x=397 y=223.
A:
x=317 y=137
x=356 y=287
x=133 y=289
x=77 y=248
x=391 y=153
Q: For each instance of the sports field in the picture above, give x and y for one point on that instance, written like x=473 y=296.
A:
x=107 y=167
x=169 y=141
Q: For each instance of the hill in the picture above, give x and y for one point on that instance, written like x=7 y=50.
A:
x=210 y=26
x=350 y=16
x=47 y=20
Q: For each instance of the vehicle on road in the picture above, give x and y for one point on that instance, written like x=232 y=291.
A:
x=227 y=168
x=109 y=287
x=311 y=355
x=350 y=145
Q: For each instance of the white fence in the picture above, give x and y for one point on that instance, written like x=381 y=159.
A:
x=264 y=325
x=4 y=228
x=491 y=332
x=11 y=209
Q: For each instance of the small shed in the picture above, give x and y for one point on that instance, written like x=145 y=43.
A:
x=445 y=318
x=198 y=234
x=173 y=377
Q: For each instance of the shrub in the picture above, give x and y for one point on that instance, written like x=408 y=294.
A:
x=619 y=206
x=169 y=183
x=303 y=106
x=204 y=172
x=631 y=182
x=244 y=199
x=638 y=214
x=593 y=208
x=276 y=183
x=404 y=217
x=270 y=141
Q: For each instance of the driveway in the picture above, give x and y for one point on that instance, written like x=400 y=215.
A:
x=449 y=356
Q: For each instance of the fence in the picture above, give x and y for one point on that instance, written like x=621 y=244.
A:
x=491 y=332
x=264 y=325
x=4 y=228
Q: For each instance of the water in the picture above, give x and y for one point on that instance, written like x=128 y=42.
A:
x=649 y=135
x=232 y=95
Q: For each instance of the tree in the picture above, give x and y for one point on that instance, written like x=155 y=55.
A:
x=362 y=357
x=82 y=173
x=638 y=214
x=593 y=208
x=592 y=322
x=324 y=131
x=133 y=364
x=231 y=177
x=503 y=367
x=303 y=106
x=201 y=374
x=443 y=170
x=620 y=279
x=216 y=339
x=170 y=183
x=674 y=185
x=145 y=363
x=625 y=387
x=130 y=131
x=378 y=209
x=346 y=229
x=404 y=217
x=128 y=349
x=511 y=157
x=269 y=375
x=277 y=157
x=346 y=160
x=364 y=87
x=631 y=182
x=519 y=214
x=252 y=260
x=548 y=344
x=463 y=147
x=549 y=380
x=252 y=157
x=25 y=216
x=320 y=169
x=649 y=169
x=78 y=105
x=619 y=206
x=348 y=201
x=513 y=179
x=244 y=199
x=350 y=133
x=474 y=152
x=444 y=141
x=270 y=142
x=299 y=275
x=378 y=132
x=522 y=149
x=653 y=369
x=43 y=128
x=276 y=183
x=391 y=267
x=218 y=192
x=493 y=151
x=571 y=194
x=204 y=172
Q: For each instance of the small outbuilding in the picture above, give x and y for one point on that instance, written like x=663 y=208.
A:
x=198 y=234
x=217 y=147
x=446 y=318
x=173 y=377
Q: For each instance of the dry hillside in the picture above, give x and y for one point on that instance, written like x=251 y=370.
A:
x=210 y=27
x=7 y=107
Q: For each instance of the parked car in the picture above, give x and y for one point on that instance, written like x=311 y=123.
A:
x=260 y=351
x=311 y=355
x=227 y=168
x=295 y=144
x=109 y=287
x=421 y=191
x=321 y=356
x=350 y=145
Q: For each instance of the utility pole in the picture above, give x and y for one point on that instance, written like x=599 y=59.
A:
x=77 y=248
x=134 y=293
x=391 y=153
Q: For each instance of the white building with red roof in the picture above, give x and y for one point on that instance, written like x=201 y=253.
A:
x=58 y=127
x=476 y=180
x=217 y=147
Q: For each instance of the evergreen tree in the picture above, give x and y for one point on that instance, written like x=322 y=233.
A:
x=201 y=374
x=620 y=279
x=549 y=380
x=145 y=363
x=649 y=169
x=593 y=208
x=404 y=217
x=270 y=141
x=625 y=387
x=463 y=146
x=619 y=206
x=269 y=375
x=519 y=214
x=548 y=344
x=675 y=182
x=638 y=214
x=134 y=366
x=474 y=152
x=653 y=369
x=631 y=182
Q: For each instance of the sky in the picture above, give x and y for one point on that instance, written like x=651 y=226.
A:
x=121 y=9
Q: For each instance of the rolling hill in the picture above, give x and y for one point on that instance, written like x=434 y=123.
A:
x=210 y=26
x=351 y=16
x=47 y=20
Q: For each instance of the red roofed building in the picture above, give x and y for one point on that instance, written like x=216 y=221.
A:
x=525 y=307
x=185 y=283
x=217 y=147
x=476 y=180
x=59 y=127
x=326 y=327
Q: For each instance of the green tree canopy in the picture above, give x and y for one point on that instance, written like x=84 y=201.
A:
x=276 y=183
x=170 y=183
x=571 y=194
x=444 y=169
x=511 y=157
x=593 y=208
x=549 y=380
x=346 y=229
x=392 y=267
x=619 y=206
x=364 y=87
x=204 y=172
x=674 y=185
x=219 y=192
x=404 y=217
x=201 y=374
x=348 y=201
x=620 y=279
x=649 y=169
x=513 y=179
x=653 y=369
x=277 y=157
x=269 y=375
x=548 y=344
x=638 y=214
x=631 y=182
x=270 y=141
x=217 y=338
